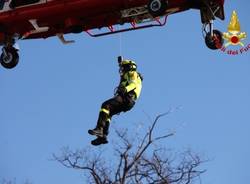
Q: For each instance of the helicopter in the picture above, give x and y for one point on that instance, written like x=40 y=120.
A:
x=34 y=19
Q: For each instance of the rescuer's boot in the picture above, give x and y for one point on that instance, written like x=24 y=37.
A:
x=102 y=126
x=98 y=131
x=99 y=140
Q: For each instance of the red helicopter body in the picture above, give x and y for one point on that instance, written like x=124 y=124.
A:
x=29 y=19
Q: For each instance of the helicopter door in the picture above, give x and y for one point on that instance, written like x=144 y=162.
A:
x=17 y=3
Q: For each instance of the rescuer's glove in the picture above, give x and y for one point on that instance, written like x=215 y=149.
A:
x=121 y=90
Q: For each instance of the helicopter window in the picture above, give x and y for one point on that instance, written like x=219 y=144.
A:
x=17 y=3
x=2 y=4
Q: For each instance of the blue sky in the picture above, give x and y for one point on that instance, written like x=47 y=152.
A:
x=53 y=96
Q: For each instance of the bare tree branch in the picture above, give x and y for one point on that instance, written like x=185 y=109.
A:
x=136 y=161
x=13 y=181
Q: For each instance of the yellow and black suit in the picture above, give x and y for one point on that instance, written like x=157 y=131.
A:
x=126 y=94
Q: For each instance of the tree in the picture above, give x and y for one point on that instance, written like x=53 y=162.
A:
x=13 y=181
x=137 y=162
x=4 y=181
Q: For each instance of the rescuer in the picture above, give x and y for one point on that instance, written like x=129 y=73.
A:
x=124 y=99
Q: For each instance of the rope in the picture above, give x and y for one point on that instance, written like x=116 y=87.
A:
x=120 y=43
